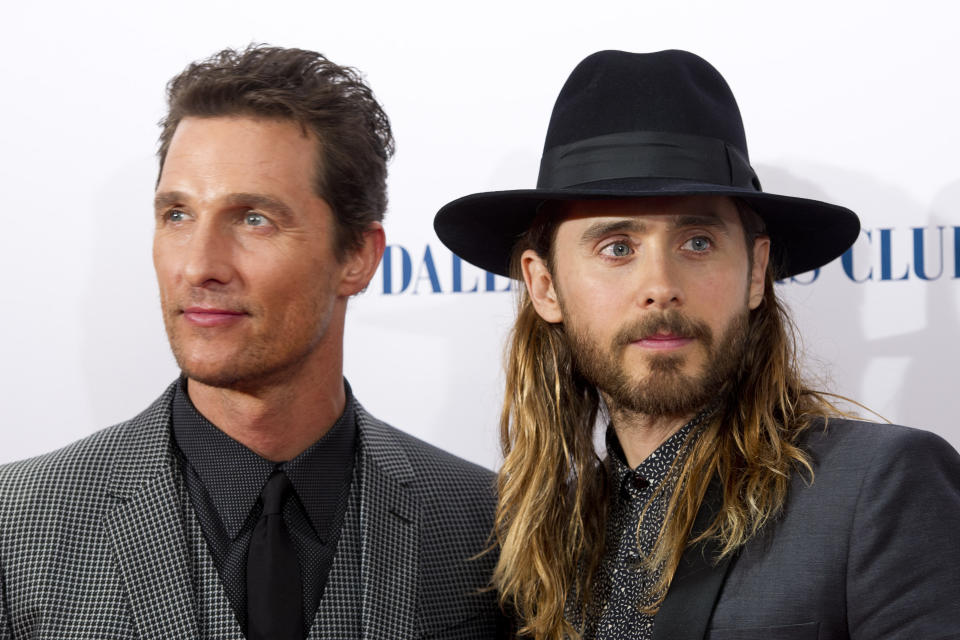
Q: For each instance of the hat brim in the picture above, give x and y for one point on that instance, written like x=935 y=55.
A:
x=483 y=228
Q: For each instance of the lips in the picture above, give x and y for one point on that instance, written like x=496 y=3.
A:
x=212 y=317
x=664 y=331
x=664 y=341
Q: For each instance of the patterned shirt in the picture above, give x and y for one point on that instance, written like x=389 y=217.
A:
x=224 y=479
x=623 y=583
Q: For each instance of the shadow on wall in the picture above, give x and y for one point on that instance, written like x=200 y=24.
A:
x=888 y=344
x=929 y=393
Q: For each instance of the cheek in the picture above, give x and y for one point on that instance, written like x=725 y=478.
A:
x=714 y=286
x=595 y=305
x=292 y=287
x=717 y=298
x=163 y=267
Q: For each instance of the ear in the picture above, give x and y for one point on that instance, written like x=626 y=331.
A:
x=361 y=264
x=758 y=277
x=540 y=286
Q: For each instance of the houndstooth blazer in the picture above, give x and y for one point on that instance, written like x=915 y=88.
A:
x=94 y=543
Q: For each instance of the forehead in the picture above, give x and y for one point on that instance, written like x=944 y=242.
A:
x=230 y=148
x=664 y=209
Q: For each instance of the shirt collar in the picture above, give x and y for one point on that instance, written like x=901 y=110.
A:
x=321 y=474
x=234 y=475
x=654 y=467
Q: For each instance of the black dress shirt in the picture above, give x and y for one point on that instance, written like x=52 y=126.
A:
x=633 y=525
x=224 y=479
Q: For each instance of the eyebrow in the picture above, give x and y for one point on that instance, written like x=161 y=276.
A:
x=636 y=225
x=168 y=199
x=596 y=231
x=247 y=200
x=260 y=201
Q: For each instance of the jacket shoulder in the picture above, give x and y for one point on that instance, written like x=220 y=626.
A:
x=85 y=465
x=84 y=460
x=868 y=544
x=428 y=464
x=859 y=465
x=895 y=492
x=865 y=444
x=457 y=502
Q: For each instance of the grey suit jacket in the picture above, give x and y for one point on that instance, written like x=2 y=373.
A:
x=93 y=541
x=869 y=551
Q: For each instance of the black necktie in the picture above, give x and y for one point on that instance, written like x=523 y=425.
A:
x=273 y=572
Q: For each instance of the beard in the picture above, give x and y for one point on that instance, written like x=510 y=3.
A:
x=665 y=390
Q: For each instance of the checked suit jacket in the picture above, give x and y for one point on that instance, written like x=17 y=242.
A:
x=95 y=542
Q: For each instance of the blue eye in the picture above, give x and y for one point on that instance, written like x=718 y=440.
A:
x=617 y=249
x=175 y=215
x=255 y=220
x=698 y=244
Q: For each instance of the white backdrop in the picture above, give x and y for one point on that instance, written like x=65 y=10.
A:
x=851 y=102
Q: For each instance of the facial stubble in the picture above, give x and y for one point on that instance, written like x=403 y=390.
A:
x=252 y=363
x=665 y=390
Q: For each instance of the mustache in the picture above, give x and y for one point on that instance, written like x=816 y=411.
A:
x=197 y=297
x=670 y=321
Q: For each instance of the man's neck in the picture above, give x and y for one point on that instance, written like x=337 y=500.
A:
x=277 y=421
x=640 y=434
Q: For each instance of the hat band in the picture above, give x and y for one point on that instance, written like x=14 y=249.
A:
x=646 y=154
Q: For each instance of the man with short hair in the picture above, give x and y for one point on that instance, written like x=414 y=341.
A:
x=734 y=501
x=255 y=498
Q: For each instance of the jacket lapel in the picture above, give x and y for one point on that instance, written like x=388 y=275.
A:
x=390 y=534
x=685 y=612
x=147 y=531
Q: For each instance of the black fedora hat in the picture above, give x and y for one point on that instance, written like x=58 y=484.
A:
x=631 y=125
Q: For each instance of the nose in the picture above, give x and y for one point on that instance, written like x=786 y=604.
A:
x=207 y=255
x=660 y=286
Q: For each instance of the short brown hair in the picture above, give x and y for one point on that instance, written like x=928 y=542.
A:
x=333 y=102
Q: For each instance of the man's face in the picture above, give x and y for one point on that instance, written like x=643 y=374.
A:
x=250 y=286
x=654 y=295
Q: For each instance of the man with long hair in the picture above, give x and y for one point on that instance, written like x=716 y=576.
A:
x=255 y=498
x=735 y=500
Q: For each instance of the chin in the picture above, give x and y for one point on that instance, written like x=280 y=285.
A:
x=211 y=375
x=212 y=367
x=245 y=371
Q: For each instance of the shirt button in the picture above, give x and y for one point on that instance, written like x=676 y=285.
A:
x=639 y=482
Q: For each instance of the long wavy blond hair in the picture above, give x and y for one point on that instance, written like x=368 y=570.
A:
x=553 y=488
